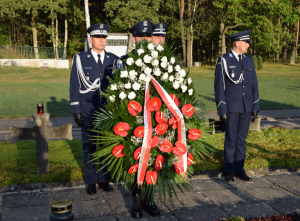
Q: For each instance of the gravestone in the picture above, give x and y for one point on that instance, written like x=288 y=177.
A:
x=41 y=133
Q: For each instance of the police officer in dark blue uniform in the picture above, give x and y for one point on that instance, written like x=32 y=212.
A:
x=237 y=100
x=88 y=77
x=159 y=34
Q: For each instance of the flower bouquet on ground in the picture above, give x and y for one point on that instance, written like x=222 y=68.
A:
x=152 y=128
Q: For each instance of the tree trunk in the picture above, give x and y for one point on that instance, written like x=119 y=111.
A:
x=203 y=49
x=212 y=47
x=278 y=42
x=56 y=39
x=297 y=38
x=53 y=34
x=183 y=40
x=284 y=50
x=188 y=37
x=294 y=48
x=34 y=38
x=66 y=36
x=87 y=19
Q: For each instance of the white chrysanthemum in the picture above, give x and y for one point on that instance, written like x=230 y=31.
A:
x=189 y=80
x=128 y=85
x=147 y=70
x=124 y=74
x=171 y=78
x=150 y=46
x=165 y=76
x=112 y=98
x=113 y=87
x=170 y=68
x=163 y=64
x=157 y=72
x=155 y=62
x=148 y=78
x=182 y=73
x=154 y=54
x=136 y=86
x=122 y=95
x=131 y=95
x=179 y=78
x=176 y=85
x=132 y=74
x=164 y=59
x=139 y=62
x=159 y=48
x=147 y=59
x=172 y=61
x=183 y=88
x=190 y=91
x=129 y=61
x=177 y=68
x=140 y=51
x=142 y=77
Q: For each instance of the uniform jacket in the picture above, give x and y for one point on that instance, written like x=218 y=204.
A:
x=89 y=102
x=235 y=98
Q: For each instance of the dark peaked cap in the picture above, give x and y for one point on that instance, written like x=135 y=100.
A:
x=160 y=29
x=142 y=28
x=99 y=29
x=241 y=36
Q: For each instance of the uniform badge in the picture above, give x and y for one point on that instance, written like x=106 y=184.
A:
x=107 y=56
x=101 y=25
x=161 y=25
x=232 y=74
x=230 y=55
x=232 y=66
x=88 y=56
x=88 y=78
x=145 y=23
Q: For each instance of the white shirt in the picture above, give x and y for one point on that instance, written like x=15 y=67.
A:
x=96 y=57
x=235 y=54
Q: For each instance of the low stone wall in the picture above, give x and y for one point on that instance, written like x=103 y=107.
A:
x=50 y=63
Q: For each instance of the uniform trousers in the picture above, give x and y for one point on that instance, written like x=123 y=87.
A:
x=90 y=169
x=236 y=132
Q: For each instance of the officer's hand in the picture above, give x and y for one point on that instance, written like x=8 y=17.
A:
x=78 y=118
x=224 y=117
x=254 y=114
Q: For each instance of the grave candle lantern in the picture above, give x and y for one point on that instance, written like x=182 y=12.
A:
x=40 y=109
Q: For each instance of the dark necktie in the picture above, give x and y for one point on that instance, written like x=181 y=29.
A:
x=99 y=61
x=240 y=60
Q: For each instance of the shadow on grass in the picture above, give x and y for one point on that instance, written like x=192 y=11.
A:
x=58 y=108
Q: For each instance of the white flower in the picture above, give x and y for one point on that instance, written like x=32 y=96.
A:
x=159 y=47
x=136 y=86
x=182 y=73
x=165 y=76
x=183 y=88
x=128 y=85
x=171 y=78
x=147 y=70
x=140 y=51
x=132 y=74
x=124 y=74
x=163 y=64
x=129 y=61
x=122 y=95
x=139 y=62
x=189 y=80
x=164 y=59
x=179 y=78
x=176 y=84
x=190 y=92
x=150 y=46
x=177 y=68
x=112 y=98
x=155 y=62
x=172 y=61
x=147 y=59
x=142 y=77
x=131 y=95
x=157 y=72
x=154 y=54
x=113 y=87
x=170 y=68
x=148 y=78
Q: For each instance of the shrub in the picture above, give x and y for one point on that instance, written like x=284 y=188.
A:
x=255 y=61
x=259 y=63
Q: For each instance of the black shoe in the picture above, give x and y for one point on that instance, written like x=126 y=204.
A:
x=152 y=209
x=91 y=189
x=229 y=177
x=105 y=186
x=136 y=210
x=244 y=177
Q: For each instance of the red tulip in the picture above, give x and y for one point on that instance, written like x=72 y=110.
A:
x=121 y=129
x=190 y=159
x=179 y=148
x=137 y=152
x=166 y=146
x=159 y=117
x=139 y=132
x=153 y=104
x=160 y=129
x=174 y=98
x=188 y=110
x=134 y=107
x=154 y=141
x=194 y=134
x=151 y=177
x=133 y=168
x=173 y=122
x=159 y=162
x=117 y=151
x=178 y=168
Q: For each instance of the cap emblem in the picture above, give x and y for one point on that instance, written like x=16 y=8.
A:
x=101 y=25
x=145 y=23
x=161 y=25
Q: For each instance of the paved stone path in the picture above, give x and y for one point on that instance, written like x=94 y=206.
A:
x=209 y=199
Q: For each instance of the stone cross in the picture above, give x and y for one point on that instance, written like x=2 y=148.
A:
x=41 y=133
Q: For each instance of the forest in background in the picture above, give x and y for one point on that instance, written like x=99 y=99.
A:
x=199 y=29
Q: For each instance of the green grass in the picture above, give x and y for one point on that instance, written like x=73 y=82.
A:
x=272 y=147
x=22 y=88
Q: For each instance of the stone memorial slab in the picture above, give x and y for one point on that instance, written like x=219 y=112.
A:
x=211 y=184
x=284 y=179
x=120 y=204
x=36 y=213
x=254 y=183
x=285 y=206
x=91 y=209
x=293 y=189
x=27 y=199
x=269 y=194
x=75 y=195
